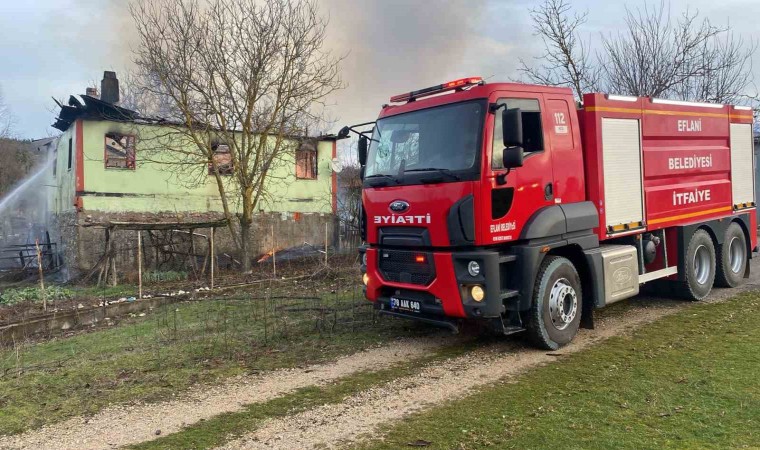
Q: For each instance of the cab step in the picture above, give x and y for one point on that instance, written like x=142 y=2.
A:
x=509 y=293
x=510 y=329
x=503 y=259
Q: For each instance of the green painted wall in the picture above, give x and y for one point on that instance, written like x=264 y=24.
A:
x=62 y=198
x=156 y=187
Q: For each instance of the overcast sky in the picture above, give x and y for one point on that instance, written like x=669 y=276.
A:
x=53 y=48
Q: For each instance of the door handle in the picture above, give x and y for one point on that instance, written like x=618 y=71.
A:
x=549 y=191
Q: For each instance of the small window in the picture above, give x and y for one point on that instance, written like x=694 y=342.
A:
x=71 y=153
x=120 y=151
x=222 y=159
x=306 y=162
x=55 y=163
x=533 y=135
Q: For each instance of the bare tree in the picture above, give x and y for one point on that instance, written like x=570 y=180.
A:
x=566 y=60
x=653 y=55
x=242 y=75
x=7 y=119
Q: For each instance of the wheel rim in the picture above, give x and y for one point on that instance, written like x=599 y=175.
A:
x=563 y=304
x=736 y=255
x=702 y=264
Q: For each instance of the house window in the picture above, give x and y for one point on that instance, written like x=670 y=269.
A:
x=306 y=163
x=120 y=151
x=223 y=160
x=71 y=154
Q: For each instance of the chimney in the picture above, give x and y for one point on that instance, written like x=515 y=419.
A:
x=92 y=92
x=109 y=87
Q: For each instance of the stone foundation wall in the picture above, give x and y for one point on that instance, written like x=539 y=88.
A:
x=83 y=246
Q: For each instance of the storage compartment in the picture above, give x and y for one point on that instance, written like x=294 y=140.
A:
x=623 y=190
x=742 y=166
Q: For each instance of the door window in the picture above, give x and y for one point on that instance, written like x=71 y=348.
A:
x=533 y=135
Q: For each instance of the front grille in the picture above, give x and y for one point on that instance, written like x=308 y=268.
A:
x=402 y=266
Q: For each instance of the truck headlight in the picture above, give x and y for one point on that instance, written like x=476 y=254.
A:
x=365 y=279
x=477 y=293
x=473 y=268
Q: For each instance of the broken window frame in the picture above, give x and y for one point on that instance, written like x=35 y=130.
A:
x=224 y=164
x=130 y=153
x=71 y=153
x=306 y=164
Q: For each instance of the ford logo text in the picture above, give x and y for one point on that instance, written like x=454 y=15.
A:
x=399 y=206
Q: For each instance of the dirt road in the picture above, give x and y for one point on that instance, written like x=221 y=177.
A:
x=361 y=414
x=335 y=426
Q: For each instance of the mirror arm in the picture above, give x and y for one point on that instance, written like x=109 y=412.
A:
x=501 y=179
x=493 y=107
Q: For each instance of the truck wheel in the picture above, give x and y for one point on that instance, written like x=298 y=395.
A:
x=732 y=257
x=700 y=267
x=555 y=312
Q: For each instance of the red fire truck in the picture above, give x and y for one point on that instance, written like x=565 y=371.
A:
x=508 y=204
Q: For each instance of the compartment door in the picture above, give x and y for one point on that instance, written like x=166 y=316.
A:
x=623 y=187
x=742 y=166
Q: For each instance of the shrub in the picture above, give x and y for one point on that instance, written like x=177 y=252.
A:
x=157 y=276
x=34 y=294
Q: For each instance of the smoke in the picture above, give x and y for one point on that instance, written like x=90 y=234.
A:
x=390 y=46
x=394 y=46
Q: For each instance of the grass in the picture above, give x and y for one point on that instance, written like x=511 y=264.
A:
x=687 y=381
x=175 y=347
x=225 y=427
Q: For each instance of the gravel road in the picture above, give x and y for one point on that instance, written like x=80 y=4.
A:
x=359 y=416
x=123 y=425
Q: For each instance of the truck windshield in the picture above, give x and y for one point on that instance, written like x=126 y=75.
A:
x=444 y=139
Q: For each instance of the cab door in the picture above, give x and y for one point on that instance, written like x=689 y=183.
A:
x=511 y=197
x=567 y=158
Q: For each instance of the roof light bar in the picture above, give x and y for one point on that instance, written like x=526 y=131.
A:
x=448 y=86
x=743 y=108
x=682 y=103
x=621 y=98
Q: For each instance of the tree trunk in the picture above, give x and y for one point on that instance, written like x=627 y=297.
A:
x=245 y=244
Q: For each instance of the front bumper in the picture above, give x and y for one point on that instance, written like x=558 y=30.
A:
x=448 y=294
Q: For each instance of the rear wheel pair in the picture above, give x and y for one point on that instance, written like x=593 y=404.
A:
x=705 y=265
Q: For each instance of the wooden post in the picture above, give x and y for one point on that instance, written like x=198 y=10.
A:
x=192 y=252
x=42 y=280
x=139 y=264
x=213 y=256
x=274 y=255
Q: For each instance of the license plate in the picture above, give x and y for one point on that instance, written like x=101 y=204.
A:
x=403 y=304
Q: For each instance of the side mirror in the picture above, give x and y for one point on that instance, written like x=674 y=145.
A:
x=343 y=133
x=362 y=148
x=513 y=157
x=511 y=126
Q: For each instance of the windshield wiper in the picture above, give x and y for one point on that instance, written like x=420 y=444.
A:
x=440 y=170
x=383 y=176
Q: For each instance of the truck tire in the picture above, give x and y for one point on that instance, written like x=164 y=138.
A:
x=732 y=257
x=555 y=312
x=699 y=264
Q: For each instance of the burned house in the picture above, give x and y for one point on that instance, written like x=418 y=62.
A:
x=108 y=166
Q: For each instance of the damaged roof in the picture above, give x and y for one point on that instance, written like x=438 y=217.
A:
x=89 y=108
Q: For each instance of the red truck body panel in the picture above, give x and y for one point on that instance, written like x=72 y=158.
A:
x=686 y=159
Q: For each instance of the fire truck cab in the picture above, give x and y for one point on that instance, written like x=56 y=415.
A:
x=507 y=204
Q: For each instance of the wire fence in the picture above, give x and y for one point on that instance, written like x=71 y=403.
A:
x=229 y=326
